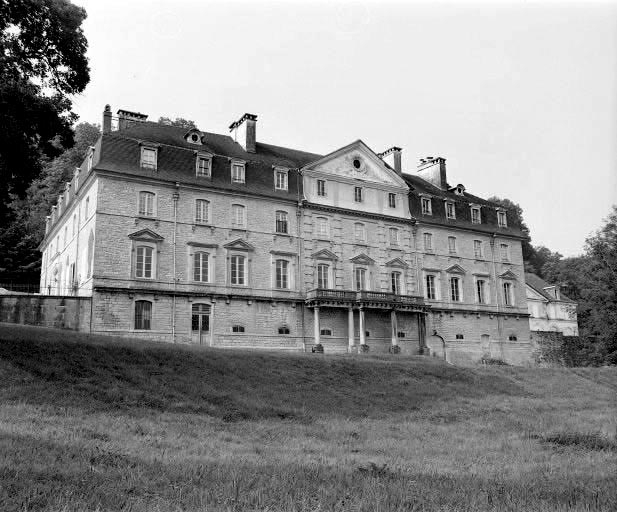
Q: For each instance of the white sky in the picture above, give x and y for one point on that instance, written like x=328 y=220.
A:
x=520 y=98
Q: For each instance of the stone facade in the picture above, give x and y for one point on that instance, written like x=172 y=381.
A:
x=550 y=310
x=187 y=236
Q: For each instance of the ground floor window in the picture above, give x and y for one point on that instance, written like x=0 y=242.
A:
x=143 y=314
x=200 y=318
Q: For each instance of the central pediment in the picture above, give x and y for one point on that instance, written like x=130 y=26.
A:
x=356 y=162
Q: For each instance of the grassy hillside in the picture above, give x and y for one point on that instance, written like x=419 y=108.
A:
x=93 y=423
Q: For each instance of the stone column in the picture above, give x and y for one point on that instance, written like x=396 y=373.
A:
x=394 y=322
x=350 y=329
x=362 y=328
x=316 y=324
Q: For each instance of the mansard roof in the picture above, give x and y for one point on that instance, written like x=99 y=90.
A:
x=176 y=158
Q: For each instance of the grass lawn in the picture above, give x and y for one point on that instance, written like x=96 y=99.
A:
x=93 y=423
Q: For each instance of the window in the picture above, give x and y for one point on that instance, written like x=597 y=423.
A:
x=143 y=314
x=505 y=252
x=90 y=159
x=323 y=229
x=460 y=337
x=512 y=337
x=455 y=289
x=392 y=200
x=321 y=188
x=508 y=298
x=452 y=244
x=358 y=194
x=360 y=275
x=481 y=296
x=502 y=219
x=428 y=242
x=143 y=267
x=401 y=334
x=475 y=215
x=201 y=211
x=203 y=167
x=238 y=270
x=477 y=249
x=359 y=232
x=284 y=330
x=237 y=172
x=326 y=332
x=322 y=276
x=450 y=211
x=281 y=222
x=237 y=216
x=237 y=328
x=86 y=207
x=74 y=223
x=431 y=291
x=66 y=235
x=395 y=281
x=282 y=274
x=148 y=158
x=200 y=317
x=394 y=238
x=146 y=204
x=201 y=267
x=280 y=179
x=426 y=206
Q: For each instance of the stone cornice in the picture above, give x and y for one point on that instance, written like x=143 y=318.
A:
x=356 y=213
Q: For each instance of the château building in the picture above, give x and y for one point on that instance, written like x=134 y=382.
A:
x=187 y=236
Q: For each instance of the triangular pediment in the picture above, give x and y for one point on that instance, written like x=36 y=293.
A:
x=362 y=259
x=357 y=161
x=325 y=254
x=239 y=245
x=397 y=262
x=508 y=274
x=456 y=269
x=146 y=235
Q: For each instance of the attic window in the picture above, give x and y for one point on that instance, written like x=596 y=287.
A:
x=357 y=163
x=193 y=137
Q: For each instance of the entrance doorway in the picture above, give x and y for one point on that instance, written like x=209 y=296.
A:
x=200 y=324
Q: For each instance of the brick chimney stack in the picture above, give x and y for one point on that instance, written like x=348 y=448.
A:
x=392 y=157
x=107 y=119
x=433 y=170
x=127 y=118
x=244 y=132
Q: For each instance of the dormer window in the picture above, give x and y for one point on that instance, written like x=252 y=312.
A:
x=426 y=206
x=502 y=219
x=237 y=172
x=193 y=137
x=450 y=211
x=90 y=158
x=475 y=215
x=459 y=190
x=281 y=179
x=203 y=165
x=148 y=158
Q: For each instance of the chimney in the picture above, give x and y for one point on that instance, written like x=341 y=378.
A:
x=392 y=157
x=433 y=170
x=107 y=119
x=127 y=118
x=244 y=132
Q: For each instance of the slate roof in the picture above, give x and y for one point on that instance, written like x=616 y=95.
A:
x=538 y=284
x=120 y=152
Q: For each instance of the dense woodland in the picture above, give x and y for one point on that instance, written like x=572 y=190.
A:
x=43 y=65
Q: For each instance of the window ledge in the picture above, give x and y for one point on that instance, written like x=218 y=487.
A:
x=282 y=234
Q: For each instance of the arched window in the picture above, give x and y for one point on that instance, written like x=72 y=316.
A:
x=238 y=216
x=146 y=204
x=237 y=328
x=143 y=314
x=284 y=330
x=143 y=263
x=201 y=267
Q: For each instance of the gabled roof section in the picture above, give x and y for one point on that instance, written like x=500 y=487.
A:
x=324 y=254
x=362 y=259
x=342 y=162
x=239 y=245
x=456 y=269
x=508 y=274
x=146 y=235
x=539 y=285
x=397 y=262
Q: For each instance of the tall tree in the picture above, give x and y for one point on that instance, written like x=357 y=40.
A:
x=178 y=121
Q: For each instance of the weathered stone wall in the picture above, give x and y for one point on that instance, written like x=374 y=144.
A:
x=58 y=312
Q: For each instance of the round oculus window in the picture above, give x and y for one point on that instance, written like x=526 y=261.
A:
x=195 y=137
x=357 y=163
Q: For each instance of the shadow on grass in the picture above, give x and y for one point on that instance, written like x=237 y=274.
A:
x=45 y=366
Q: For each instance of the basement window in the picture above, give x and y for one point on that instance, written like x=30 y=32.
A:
x=460 y=337
x=237 y=328
x=326 y=332
x=512 y=337
x=284 y=330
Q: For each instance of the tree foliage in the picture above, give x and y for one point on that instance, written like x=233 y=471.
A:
x=178 y=121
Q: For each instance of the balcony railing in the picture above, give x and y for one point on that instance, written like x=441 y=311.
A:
x=364 y=296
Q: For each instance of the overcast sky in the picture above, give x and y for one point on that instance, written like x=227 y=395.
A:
x=520 y=98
